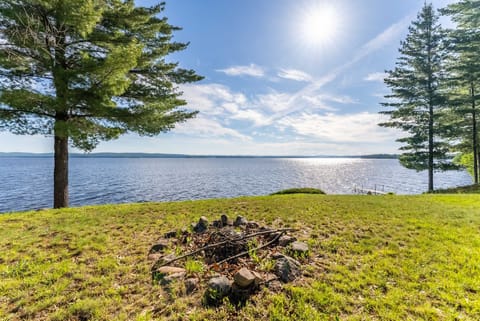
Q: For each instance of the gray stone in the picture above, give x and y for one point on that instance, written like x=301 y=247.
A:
x=240 y=221
x=202 y=225
x=244 y=278
x=217 y=224
x=160 y=246
x=217 y=289
x=286 y=240
x=287 y=269
x=299 y=248
x=191 y=284
x=225 y=220
x=167 y=274
x=170 y=234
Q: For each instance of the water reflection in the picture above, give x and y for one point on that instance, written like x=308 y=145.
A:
x=27 y=182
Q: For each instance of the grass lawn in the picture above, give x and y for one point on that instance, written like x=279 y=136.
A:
x=470 y=189
x=373 y=258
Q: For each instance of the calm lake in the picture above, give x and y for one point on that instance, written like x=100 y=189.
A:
x=26 y=183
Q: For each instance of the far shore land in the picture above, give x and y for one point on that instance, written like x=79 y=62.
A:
x=158 y=155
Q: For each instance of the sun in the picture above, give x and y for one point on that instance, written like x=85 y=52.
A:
x=320 y=25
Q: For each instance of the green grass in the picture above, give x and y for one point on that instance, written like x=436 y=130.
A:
x=304 y=190
x=372 y=258
x=470 y=189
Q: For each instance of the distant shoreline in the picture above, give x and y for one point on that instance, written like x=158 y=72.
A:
x=152 y=155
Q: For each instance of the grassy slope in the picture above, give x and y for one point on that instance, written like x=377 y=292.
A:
x=470 y=189
x=374 y=257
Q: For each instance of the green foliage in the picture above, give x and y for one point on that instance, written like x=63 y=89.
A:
x=306 y=190
x=416 y=100
x=101 y=67
x=464 y=73
x=466 y=161
x=194 y=266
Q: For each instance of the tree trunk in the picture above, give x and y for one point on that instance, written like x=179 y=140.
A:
x=430 y=150
x=60 y=175
x=430 y=112
x=474 y=137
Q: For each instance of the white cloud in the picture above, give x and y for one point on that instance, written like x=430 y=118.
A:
x=250 y=70
x=294 y=74
x=257 y=118
x=207 y=127
x=273 y=101
x=212 y=99
x=376 y=76
x=349 y=128
x=346 y=100
x=215 y=100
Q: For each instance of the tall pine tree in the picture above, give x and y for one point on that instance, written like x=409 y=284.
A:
x=416 y=99
x=464 y=75
x=85 y=71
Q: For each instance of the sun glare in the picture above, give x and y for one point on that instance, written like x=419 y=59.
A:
x=320 y=25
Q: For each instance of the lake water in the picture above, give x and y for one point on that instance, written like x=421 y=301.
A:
x=26 y=183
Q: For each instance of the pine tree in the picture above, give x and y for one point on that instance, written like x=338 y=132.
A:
x=416 y=100
x=86 y=71
x=464 y=70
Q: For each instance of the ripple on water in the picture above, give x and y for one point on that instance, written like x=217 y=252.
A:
x=27 y=182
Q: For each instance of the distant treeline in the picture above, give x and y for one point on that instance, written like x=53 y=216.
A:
x=149 y=155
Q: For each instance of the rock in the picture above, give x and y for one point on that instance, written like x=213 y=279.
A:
x=167 y=274
x=154 y=256
x=286 y=240
x=167 y=280
x=191 y=285
x=170 y=270
x=203 y=221
x=160 y=246
x=240 y=221
x=253 y=225
x=170 y=235
x=162 y=260
x=299 y=248
x=201 y=226
x=217 y=224
x=287 y=269
x=217 y=289
x=225 y=220
x=244 y=278
x=258 y=278
x=239 y=295
x=277 y=255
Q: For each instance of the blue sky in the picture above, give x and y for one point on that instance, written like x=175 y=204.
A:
x=282 y=77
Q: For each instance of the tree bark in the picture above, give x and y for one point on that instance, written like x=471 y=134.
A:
x=474 y=136
x=60 y=175
x=430 y=150
x=430 y=114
